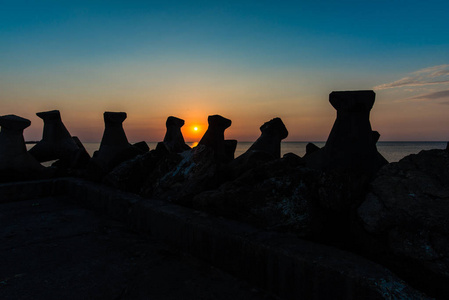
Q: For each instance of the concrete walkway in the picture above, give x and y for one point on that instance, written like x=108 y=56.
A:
x=51 y=249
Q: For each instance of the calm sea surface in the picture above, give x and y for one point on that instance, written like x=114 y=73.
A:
x=392 y=151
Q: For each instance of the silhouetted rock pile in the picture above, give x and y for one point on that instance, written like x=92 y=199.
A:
x=196 y=171
x=406 y=215
x=275 y=194
x=143 y=170
x=344 y=194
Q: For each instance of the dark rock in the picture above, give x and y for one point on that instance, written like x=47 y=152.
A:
x=285 y=195
x=114 y=147
x=214 y=137
x=311 y=148
x=295 y=159
x=351 y=143
x=272 y=195
x=375 y=136
x=143 y=146
x=161 y=147
x=248 y=161
x=173 y=137
x=273 y=132
x=75 y=164
x=15 y=162
x=196 y=171
x=267 y=147
x=131 y=175
x=406 y=214
x=57 y=143
x=230 y=146
x=81 y=157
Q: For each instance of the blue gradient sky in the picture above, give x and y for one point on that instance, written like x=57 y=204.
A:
x=249 y=61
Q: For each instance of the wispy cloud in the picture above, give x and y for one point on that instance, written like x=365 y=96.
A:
x=428 y=76
x=432 y=96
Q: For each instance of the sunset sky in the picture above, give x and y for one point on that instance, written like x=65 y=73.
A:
x=249 y=61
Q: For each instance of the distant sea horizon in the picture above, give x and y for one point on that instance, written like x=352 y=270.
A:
x=393 y=151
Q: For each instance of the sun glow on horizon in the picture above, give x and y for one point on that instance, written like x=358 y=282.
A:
x=195 y=129
x=193 y=132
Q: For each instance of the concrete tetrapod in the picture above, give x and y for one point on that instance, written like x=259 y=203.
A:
x=114 y=147
x=214 y=138
x=15 y=162
x=173 y=140
x=351 y=143
x=57 y=143
x=267 y=147
x=272 y=133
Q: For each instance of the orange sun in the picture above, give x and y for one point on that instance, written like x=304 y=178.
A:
x=193 y=132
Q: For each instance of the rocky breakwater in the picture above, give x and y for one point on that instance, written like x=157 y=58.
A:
x=344 y=195
x=406 y=216
x=261 y=187
x=142 y=173
x=173 y=171
x=330 y=196
x=326 y=196
x=316 y=196
x=199 y=169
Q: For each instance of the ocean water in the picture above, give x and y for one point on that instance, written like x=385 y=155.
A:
x=392 y=151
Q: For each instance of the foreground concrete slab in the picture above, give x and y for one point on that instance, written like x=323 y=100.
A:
x=53 y=249
x=280 y=264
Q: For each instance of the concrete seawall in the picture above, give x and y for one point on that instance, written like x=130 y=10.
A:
x=281 y=264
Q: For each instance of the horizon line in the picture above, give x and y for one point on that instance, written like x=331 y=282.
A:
x=191 y=142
